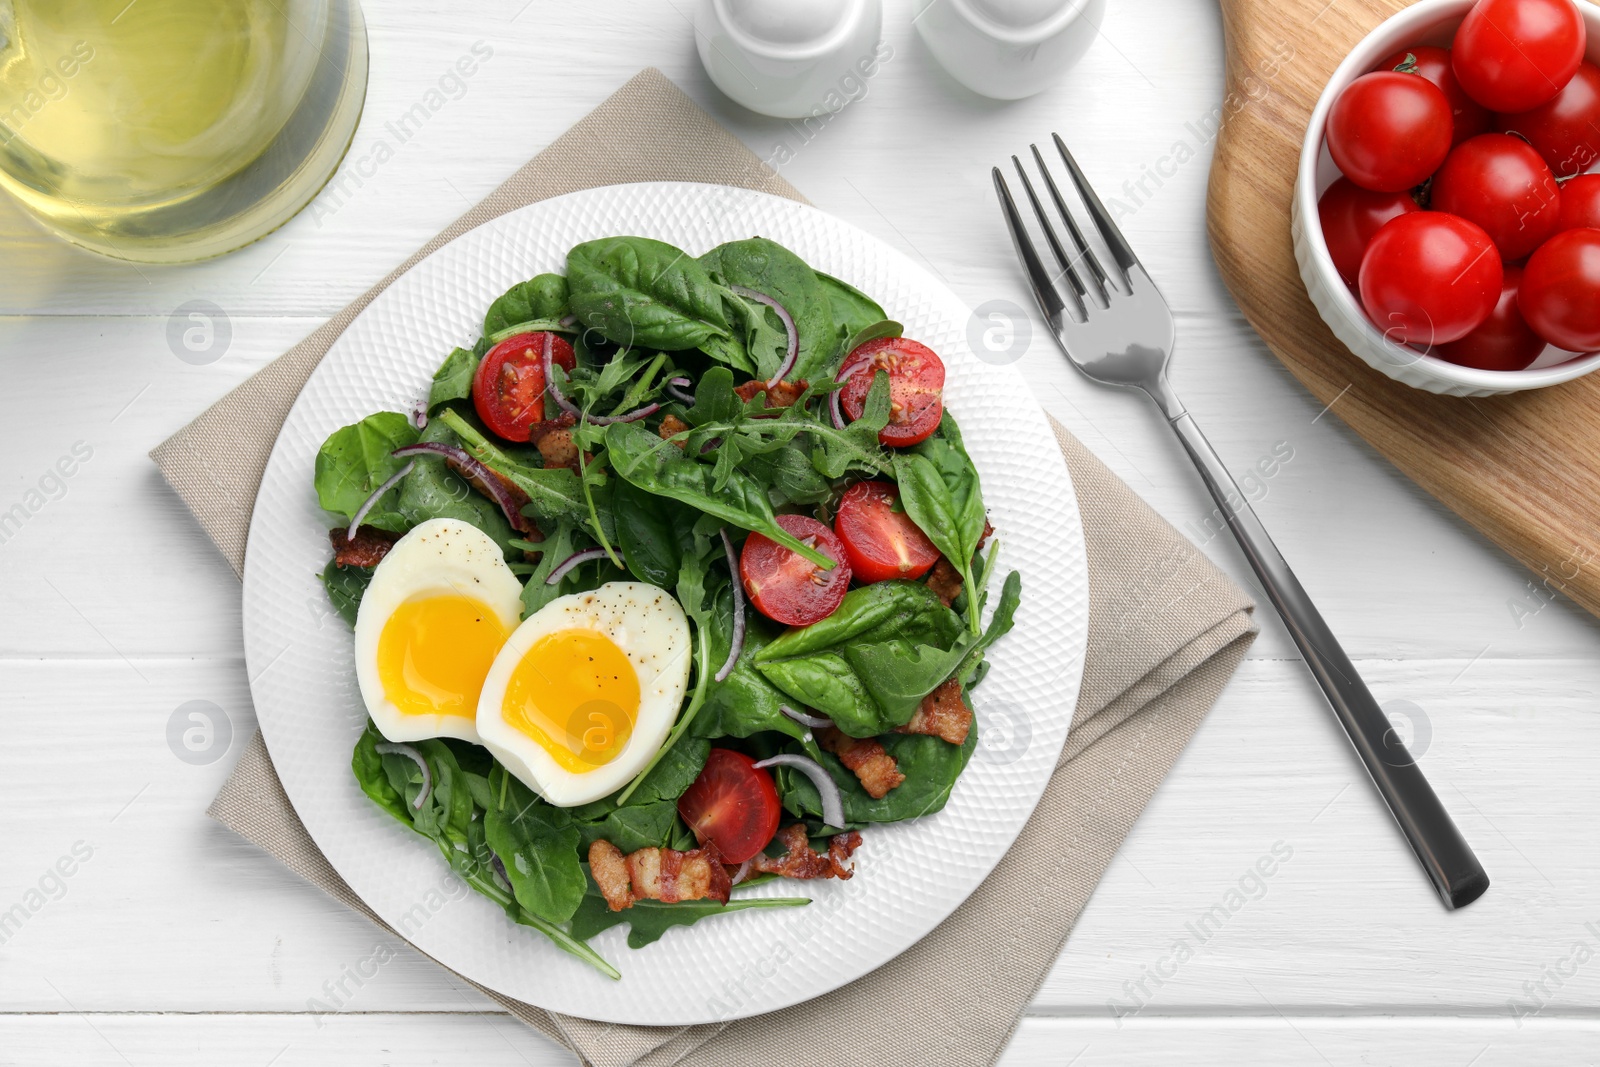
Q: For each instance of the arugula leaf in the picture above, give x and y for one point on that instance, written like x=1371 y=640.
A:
x=641 y=293
x=931 y=767
x=648 y=920
x=659 y=467
x=543 y=296
x=345 y=586
x=870 y=663
x=767 y=267
x=453 y=379
x=355 y=460
x=939 y=489
x=538 y=844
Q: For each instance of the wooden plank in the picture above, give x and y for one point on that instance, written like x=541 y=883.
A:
x=1346 y=920
x=1523 y=468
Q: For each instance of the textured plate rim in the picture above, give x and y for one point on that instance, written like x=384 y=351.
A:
x=766 y=213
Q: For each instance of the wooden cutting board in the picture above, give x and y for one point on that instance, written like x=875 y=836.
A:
x=1524 y=468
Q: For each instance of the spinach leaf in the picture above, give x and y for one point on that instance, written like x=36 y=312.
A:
x=641 y=293
x=744 y=703
x=453 y=379
x=659 y=467
x=790 y=476
x=939 y=489
x=635 y=826
x=345 y=586
x=367 y=764
x=885 y=328
x=870 y=663
x=554 y=493
x=853 y=310
x=355 y=460
x=649 y=919
x=931 y=767
x=434 y=491
x=543 y=296
x=767 y=267
x=538 y=844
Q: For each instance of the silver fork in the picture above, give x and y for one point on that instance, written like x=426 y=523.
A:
x=1115 y=327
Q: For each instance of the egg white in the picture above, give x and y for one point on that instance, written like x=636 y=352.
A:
x=439 y=556
x=649 y=627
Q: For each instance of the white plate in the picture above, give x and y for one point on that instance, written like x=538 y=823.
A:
x=909 y=875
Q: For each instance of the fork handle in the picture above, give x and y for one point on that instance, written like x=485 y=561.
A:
x=1444 y=853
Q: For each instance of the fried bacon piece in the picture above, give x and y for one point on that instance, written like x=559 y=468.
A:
x=782 y=395
x=943 y=714
x=662 y=874
x=553 y=439
x=866 y=758
x=366 y=549
x=945 y=580
x=803 y=862
x=671 y=426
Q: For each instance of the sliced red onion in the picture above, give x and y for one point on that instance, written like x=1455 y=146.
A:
x=737 y=644
x=576 y=559
x=793 y=352
x=816 y=722
x=484 y=479
x=833 y=398
x=678 y=389
x=410 y=753
x=367 y=505
x=568 y=320
x=742 y=873
x=500 y=871
x=572 y=409
x=419 y=415
x=832 y=802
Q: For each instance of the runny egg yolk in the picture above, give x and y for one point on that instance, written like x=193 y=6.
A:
x=576 y=695
x=435 y=652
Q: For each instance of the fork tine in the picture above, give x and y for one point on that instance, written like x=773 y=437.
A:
x=1097 y=272
x=1049 y=231
x=1120 y=249
x=1044 y=288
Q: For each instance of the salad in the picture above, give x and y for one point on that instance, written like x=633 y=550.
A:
x=673 y=585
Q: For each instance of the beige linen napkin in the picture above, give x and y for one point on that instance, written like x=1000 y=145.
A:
x=1166 y=630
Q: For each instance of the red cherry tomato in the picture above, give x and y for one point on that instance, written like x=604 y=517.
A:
x=1350 y=215
x=1566 y=128
x=784 y=585
x=1501 y=184
x=916 y=387
x=1429 y=277
x=1389 y=131
x=1512 y=55
x=1580 y=202
x=1503 y=341
x=880 y=541
x=1468 y=118
x=1560 y=294
x=508 y=387
x=733 y=805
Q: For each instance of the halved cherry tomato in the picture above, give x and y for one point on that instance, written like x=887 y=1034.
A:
x=733 y=805
x=1560 y=294
x=916 y=387
x=1580 y=202
x=1468 y=117
x=1388 y=131
x=1350 y=215
x=787 y=587
x=1565 y=129
x=1512 y=55
x=880 y=541
x=1500 y=183
x=1429 y=277
x=508 y=388
x=1503 y=341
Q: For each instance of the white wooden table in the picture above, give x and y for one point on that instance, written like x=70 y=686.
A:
x=176 y=943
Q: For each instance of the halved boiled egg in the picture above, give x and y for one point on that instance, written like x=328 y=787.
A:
x=438 y=609
x=585 y=691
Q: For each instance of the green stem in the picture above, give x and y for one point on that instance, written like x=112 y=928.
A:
x=702 y=676
x=531 y=326
x=594 y=516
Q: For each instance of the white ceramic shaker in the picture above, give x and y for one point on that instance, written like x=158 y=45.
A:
x=1008 y=49
x=790 y=58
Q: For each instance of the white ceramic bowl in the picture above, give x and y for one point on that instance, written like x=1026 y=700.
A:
x=1428 y=22
x=1008 y=49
